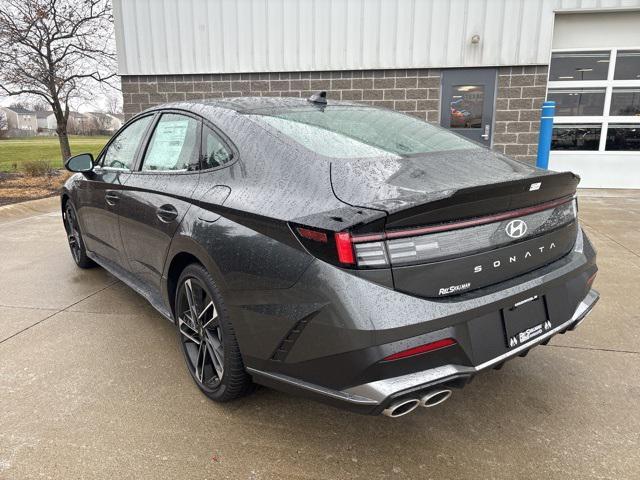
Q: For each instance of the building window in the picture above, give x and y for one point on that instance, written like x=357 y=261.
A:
x=572 y=66
x=627 y=65
x=576 y=137
x=597 y=95
x=578 y=101
x=623 y=137
x=625 y=101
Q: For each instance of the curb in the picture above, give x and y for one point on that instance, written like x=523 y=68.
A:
x=30 y=208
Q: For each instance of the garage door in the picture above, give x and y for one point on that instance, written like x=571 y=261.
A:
x=594 y=78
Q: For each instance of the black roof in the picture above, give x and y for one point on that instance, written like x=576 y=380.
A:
x=254 y=104
x=21 y=111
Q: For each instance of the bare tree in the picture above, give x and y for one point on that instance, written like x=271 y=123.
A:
x=21 y=104
x=40 y=106
x=56 y=50
x=102 y=123
x=35 y=106
x=114 y=106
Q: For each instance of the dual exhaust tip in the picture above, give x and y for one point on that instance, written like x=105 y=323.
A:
x=408 y=405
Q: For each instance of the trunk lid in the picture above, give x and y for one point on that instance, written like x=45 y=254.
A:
x=448 y=215
x=445 y=186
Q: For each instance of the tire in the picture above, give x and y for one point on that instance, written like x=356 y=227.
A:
x=215 y=364
x=74 y=238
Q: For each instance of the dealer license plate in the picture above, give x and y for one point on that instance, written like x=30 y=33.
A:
x=525 y=321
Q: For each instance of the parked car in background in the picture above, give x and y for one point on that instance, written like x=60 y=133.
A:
x=352 y=254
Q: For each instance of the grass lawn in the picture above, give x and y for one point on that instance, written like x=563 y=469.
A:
x=14 y=152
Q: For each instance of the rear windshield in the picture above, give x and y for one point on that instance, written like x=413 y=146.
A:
x=358 y=132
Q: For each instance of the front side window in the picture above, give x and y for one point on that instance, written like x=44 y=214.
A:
x=362 y=132
x=215 y=152
x=173 y=145
x=121 y=152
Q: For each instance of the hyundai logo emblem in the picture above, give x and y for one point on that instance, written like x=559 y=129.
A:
x=516 y=228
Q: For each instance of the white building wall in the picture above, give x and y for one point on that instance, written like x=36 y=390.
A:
x=231 y=36
x=27 y=122
x=597 y=31
x=52 y=122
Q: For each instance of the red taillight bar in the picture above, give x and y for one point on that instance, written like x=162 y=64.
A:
x=429 y=347
x=345 y=248
x=314 y=235
x=375 y=237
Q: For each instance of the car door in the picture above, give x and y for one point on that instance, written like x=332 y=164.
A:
x=157 y=194
x=98 y=197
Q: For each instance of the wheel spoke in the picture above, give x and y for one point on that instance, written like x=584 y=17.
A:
x=215 y=352
x=214 y=314
x=200 y=358
x=191 y=336
x=188 y=289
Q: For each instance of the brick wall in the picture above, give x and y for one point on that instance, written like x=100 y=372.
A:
x=521 y=91
x=415 y=91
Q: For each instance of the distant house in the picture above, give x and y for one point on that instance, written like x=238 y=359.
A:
x=46 y=122
x=106 y=122
x=20 y=121
x=80 y=123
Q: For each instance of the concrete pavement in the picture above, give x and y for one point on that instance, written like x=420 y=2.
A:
x=92 y=385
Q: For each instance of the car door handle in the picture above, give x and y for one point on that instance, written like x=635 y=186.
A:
x=167 y=213
x=111 y=197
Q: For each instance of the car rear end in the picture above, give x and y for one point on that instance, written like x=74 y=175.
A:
x=450 y=281
x=416 y=312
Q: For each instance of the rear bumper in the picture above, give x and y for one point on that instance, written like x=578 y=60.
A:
x=374 y=397
x=325 y=337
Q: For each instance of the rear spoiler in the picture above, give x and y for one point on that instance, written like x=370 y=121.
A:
x=485 y=200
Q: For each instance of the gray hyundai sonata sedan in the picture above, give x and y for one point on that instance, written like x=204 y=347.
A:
x=352 y=254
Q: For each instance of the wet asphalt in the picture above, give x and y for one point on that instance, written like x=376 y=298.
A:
x=92 y=385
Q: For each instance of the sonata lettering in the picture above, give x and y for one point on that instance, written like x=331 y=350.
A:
x=515 y=258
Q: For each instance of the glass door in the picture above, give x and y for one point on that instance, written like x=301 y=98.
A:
x=468 y=97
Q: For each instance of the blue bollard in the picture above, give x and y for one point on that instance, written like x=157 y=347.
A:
x=546 y=131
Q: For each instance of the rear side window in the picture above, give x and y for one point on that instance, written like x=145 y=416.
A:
x=173 y=145
x=122 y=150
x=215 y=152
x=356 y=132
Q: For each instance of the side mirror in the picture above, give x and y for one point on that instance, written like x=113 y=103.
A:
x=82 y=163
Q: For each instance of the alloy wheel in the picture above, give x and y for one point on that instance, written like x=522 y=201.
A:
x=200 y=333
x=73 y=234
